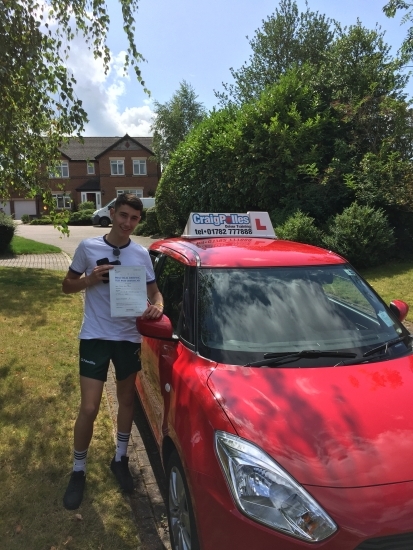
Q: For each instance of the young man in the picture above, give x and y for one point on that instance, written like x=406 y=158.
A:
x=104 y=338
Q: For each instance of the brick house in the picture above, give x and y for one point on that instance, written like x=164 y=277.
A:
x=97 y=170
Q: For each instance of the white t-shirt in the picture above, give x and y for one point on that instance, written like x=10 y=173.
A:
x=97 y=322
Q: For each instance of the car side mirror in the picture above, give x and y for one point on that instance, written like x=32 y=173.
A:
x=400 y=309
x=155 y=328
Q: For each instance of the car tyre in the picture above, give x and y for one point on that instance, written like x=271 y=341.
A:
x=104 y=222
x=181 y=519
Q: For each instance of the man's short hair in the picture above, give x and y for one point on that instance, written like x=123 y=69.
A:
x=129 y=199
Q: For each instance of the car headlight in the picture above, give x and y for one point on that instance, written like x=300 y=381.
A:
x=266 y=493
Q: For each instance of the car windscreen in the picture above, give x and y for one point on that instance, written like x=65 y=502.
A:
x=245 y=313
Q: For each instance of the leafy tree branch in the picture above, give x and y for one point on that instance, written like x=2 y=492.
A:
x=40 y=108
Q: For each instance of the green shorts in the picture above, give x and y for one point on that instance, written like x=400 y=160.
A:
x=95 y=356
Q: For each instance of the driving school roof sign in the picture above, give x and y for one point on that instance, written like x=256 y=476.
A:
x=257 y=224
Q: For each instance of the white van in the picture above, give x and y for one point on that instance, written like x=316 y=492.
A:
x=102 y=216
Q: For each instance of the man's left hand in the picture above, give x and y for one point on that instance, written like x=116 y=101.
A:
x=154 y=311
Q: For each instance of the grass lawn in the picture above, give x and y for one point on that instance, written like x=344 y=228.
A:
x=39 y=398
x=393 y=281
x=20 y=245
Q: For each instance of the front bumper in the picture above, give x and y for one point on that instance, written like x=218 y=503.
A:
x=360 y=513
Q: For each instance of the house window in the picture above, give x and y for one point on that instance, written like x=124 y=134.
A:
x=62 y=201
x=61 y=170
x=90 y=167
x=117 y=167
x=139 y=167
x=136 y=191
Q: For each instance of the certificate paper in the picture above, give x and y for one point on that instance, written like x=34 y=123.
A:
x=128 y=296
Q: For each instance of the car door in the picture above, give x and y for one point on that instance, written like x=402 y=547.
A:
x=158 y=356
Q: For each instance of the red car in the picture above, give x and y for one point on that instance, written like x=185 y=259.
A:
x=279 y=388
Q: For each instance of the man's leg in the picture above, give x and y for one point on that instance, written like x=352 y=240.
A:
x=126 y=400
x=91 y=395
x=125 y=390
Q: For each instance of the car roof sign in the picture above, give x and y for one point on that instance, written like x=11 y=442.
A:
x=207 y=225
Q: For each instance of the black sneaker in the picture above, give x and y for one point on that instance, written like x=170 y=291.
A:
x=122 y=474
x=74 y=492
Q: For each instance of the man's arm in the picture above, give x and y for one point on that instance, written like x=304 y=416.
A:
x=155 y=310
x=73 y=282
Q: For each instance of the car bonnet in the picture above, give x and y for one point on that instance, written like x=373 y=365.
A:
x=336 y=427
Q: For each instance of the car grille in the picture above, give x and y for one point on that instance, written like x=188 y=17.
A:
x=396 y=542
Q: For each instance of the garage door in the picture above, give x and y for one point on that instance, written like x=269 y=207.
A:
x=5 y=207
x=24 y=207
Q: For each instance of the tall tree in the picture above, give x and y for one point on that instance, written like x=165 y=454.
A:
x=174 y=120
x=39 y=107
x=287 y=37
x=319 y=137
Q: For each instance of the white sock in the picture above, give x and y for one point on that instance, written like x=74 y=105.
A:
x=121 y=445
x=79 y=460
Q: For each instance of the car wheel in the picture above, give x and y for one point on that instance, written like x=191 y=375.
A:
x=104 y=222
x=181 y=517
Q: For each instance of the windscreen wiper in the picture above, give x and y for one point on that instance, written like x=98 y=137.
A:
x=272 y=359
x=386 y=345
x=374 y=353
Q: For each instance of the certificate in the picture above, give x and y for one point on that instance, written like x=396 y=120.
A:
x=128 y=296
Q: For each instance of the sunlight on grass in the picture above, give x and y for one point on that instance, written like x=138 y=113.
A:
x=20 y=245
x=39 y=398
x=393 y=281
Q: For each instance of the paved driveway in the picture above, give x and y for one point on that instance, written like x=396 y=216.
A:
x=49 y=235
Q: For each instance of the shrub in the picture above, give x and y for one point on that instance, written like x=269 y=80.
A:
x=83 y=217
x=25 y=218
x=300 y=227
x=141 y=230
x=152 y=221
x=7 y=229
x=362 y=235
x=44 y=220
x=402 y=221
x=87 y=205
x=149 y=224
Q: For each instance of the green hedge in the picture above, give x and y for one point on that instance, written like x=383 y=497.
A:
x=83 y=217
x=300 y=228
x=88 y=205
x=362 y=235
x=149 y=225
x=44 y=220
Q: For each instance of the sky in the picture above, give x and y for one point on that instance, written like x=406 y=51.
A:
x=193 y=41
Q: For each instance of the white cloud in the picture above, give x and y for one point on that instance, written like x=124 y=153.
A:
x=102 y=95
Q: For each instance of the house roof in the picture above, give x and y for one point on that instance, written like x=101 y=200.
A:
x=93 y=147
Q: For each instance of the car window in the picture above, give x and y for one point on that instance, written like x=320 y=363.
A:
x=155 y=256
x=244 y=313
x=171 y=282
x=347 y=291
